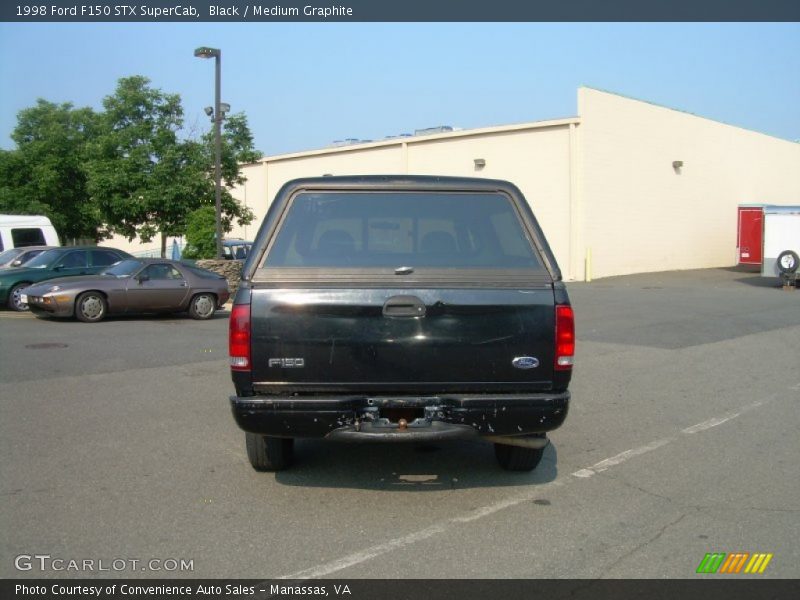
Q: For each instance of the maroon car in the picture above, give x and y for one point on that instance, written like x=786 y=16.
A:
x=136 y=285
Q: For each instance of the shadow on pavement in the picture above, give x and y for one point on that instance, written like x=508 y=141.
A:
x=408 y=467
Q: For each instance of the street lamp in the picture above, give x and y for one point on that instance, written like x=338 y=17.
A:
x=216 y=116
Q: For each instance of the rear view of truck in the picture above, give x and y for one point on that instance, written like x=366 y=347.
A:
x=400 y=309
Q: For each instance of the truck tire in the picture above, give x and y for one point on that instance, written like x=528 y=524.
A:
x=268 y=453
x=788 y=262
x=516 y=458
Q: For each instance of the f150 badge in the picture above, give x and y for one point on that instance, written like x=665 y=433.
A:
x=525 y=362
x=287 y=363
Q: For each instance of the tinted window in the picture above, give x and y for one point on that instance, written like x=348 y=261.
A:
x=392 y=229
x=72 y=260
x=32 y=236
x=162 y=271
x=103 y=258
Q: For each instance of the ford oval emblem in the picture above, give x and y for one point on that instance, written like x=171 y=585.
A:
x=525 y=362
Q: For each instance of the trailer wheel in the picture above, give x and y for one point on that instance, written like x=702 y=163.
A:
x=788 y=262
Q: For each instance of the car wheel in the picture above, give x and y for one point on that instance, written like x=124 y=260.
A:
x=202 y=306
x=14 y=297
x=267 y=453
x=516 y=458
x=91 y=307
x=788 y=262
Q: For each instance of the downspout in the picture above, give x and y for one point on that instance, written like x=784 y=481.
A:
x=574 y=208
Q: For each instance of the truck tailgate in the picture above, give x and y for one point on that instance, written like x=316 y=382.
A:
x=402 y=340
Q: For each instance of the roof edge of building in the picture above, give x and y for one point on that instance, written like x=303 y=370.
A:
x=420 y=139
x=685 y=112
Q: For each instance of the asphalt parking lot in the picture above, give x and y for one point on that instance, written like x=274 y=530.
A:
x=117 y=443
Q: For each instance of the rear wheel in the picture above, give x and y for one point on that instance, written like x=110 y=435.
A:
x=516 y=458
x=202 y=306
x=268 y=453
x=91 y=307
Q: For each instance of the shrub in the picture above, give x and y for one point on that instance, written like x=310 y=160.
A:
x=200 y=233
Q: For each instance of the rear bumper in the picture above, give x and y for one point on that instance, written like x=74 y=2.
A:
x=363 y=418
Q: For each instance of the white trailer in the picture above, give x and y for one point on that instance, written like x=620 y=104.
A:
x=781 y=243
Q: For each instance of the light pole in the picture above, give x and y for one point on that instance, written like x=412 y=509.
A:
x=216 y=53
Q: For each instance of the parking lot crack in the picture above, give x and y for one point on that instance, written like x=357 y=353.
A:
x=638 y=547
x=641 y=489
x=675 y=501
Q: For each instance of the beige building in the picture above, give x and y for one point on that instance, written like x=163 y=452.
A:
x=624 y=187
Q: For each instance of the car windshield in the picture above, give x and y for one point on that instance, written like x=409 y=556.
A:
x=45 y=260
x=123 y=268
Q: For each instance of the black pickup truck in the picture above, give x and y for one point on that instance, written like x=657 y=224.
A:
x=400 y=309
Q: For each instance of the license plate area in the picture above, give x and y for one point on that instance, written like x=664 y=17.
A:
x=397 y=414
x=401 y=414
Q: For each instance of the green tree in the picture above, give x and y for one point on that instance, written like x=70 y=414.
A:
x=45 y=174
x=236 y=148
x=145 y=179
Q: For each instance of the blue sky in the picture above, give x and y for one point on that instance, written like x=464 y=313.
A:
x=303 y=85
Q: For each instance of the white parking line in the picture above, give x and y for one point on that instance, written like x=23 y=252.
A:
x=412 y=538
x=623 y=456
x=713 y=422
x=620 y=458
x=708 y=424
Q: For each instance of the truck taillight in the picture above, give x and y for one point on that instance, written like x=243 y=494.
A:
x=565 y=338
x=239 y=337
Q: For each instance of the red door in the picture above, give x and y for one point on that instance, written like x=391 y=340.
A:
x=750 y=237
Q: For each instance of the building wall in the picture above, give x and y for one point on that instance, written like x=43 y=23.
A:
x=640 y=214
x=137 y=248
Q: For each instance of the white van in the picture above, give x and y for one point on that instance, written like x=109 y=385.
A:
x=26 y=230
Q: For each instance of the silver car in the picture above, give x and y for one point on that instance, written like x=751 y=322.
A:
x=136 y=285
